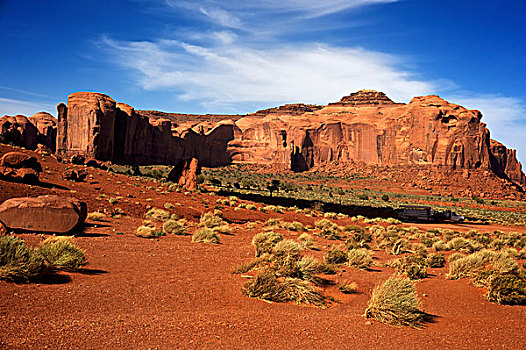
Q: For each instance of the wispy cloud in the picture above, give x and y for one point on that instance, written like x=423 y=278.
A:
x=9 y=106
x=221 y=17
x=239 y=75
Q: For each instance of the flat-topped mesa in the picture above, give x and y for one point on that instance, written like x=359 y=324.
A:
x=291 y=109
x=428 y=131
x=364 y=98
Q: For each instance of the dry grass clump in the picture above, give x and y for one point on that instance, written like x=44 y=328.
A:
x=210 y=220
x=59 y=253
x=507 y=289
x=96 y=216
x=206 y=235
x=335 y=255
x=293 y=226
x=436 y=260
x=264 y=242
x=307 y=241
x=157 y=214
x=413 y=266
x=396 y=302
x=359 y=258
x=267 y=286
x=17 y=261
x=148 y=230
x=175 y=227
x=400 y=246
x=347 y=287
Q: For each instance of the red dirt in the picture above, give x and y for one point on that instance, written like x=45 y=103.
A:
x=170 y=293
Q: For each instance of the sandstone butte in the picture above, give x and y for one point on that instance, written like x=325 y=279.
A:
x=365 y=126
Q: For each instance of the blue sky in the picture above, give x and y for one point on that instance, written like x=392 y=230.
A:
x=237 y=56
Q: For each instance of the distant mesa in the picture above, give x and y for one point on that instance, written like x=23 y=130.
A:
x=365 y=126
x=364 y=98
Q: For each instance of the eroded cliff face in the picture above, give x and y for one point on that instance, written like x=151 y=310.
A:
x=363 y=127
x=368 y=127
x=95 y=126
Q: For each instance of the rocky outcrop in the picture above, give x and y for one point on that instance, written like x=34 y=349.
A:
x=18 y=130
x=504 y=163
x=86 y=126
x=185 y=173
x=365 y=126
x=46 y=126
x=29 y=132
x=18 y=166
x=94 y=126
x=49 y=214
x=364 y=98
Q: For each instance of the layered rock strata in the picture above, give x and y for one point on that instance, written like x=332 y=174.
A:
x=365 y=126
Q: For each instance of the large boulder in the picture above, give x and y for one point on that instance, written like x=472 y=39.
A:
x=18 y=166
x=19 y=131
x=46 y=125
x=49 y=214
x=185 y=173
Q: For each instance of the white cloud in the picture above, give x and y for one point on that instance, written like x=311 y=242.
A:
x=505 y=117
x=221 y=17
x=9 y=106
x=237 y=74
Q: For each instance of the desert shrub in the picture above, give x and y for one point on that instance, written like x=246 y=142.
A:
x=359 y=258
x=395 y=302
x=401 y=246
x=168 y=205
x=294 y=226
x=307 y=241
x=223 y=229
x=157 y=214
x=414 y=266
x=436 y=260
x=330 y=215
x=148 y=230
x=174 y=227
x=307 y=268
x=507 y=289
x=96 y=216
x=301 y=292
x=419 y=249
x=347 y=287
x=264 y=242
x=324 y=224
x=287 y=247
x=273 y=222
x=59 y=253
x=332 y=233
x=267 y=286
x=440 y=246
x=248 y=266
x=17 y=261
x=206 y=235
x=210 y=220
x=335 y=255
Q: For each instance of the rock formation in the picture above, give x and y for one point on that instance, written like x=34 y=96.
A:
x=29 y=132
x=94 y=126
x=50 y=214
x=365 y=126
x=17 y=166
x=185 y=173
x=19 y=131
x=46 y=126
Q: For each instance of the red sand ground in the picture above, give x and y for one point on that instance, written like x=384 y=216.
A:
x=170 y=293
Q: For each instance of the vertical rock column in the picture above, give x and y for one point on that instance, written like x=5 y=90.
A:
x=87 y=126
